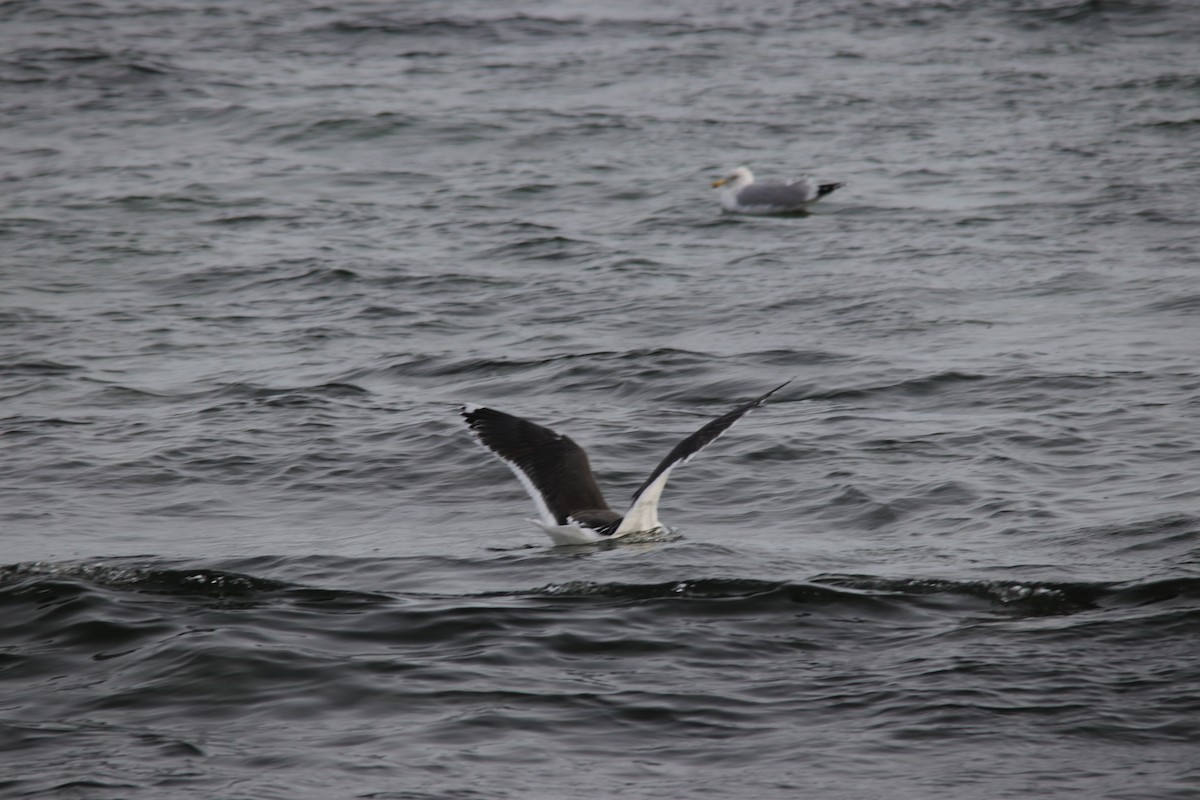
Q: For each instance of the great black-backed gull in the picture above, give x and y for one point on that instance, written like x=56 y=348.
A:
x=555 y=472
x=742 y=194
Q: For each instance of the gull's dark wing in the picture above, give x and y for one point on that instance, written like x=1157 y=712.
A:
x=553 y=469
x=702 y=438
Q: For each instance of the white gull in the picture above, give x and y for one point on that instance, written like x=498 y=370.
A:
x=742 y=194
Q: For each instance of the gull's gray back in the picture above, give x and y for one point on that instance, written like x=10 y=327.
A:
x=778 y=193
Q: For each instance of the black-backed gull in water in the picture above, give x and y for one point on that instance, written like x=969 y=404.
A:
x=555 y=472
x=742 y=194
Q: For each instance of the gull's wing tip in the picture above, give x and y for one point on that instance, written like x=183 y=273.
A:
x=788 y=382
x=755 y=403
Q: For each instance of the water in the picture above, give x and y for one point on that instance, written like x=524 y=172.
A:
x=255 y=256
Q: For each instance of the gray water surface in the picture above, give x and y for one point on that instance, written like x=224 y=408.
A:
x=256 y=256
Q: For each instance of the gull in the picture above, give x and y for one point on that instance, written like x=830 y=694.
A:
x=742 y=194
x=555 y=472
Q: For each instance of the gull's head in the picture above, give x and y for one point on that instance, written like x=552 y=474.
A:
x=735 y=179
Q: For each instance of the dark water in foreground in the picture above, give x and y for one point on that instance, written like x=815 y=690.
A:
x=214 y=683
x=254 y=256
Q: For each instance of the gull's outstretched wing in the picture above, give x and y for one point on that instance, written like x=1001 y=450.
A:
x=551 y=467
x=643 y=513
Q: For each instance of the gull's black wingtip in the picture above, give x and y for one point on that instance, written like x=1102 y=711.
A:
x=764 y=397
x=476 y=416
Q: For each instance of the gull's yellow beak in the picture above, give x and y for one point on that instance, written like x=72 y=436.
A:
x=720 y=182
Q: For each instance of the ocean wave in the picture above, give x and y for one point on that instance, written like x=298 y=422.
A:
x=1004 y=597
